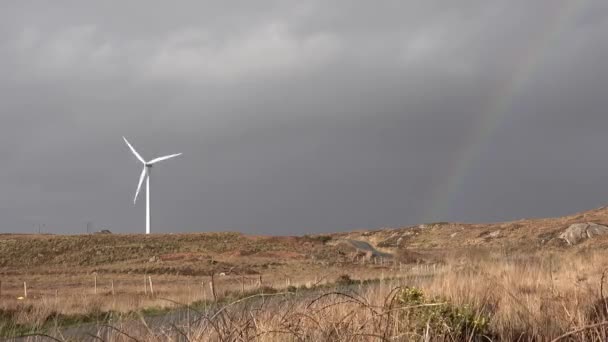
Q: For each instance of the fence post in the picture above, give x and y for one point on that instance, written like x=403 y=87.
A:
x=24 y=290
x=95 y=283
x=151 y=288
x=212 y=285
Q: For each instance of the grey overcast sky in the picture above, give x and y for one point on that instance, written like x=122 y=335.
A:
x=298 y=117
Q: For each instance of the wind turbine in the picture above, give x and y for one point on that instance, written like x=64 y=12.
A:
x=146 y=173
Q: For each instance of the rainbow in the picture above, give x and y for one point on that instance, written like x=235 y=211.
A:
x=499 y=103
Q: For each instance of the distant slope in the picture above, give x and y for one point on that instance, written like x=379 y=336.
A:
x=524 y=234
x=167 y=253
x=203 y=253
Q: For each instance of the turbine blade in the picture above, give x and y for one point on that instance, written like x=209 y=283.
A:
x=141 y=181
x=134 y=152
x=163 y=158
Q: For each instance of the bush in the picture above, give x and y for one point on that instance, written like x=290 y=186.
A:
x=318 y=238
x=439 y=317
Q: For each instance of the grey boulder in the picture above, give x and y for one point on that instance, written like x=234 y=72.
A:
x=579 y=232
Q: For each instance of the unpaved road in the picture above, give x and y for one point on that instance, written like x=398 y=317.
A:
x=367 y=247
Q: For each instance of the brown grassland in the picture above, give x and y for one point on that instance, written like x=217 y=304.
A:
x=514 y=281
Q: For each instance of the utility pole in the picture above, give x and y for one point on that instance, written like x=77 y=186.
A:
x=40 y=226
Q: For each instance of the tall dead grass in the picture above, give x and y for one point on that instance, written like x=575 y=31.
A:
x=472 y=296
x=535 y=297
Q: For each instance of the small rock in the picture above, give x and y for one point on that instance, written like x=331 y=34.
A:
x=153 y=259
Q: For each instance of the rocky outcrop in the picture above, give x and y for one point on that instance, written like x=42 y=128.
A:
x=579 y=232
x=364 y=248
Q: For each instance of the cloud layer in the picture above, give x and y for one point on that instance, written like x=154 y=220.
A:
x=299 y=117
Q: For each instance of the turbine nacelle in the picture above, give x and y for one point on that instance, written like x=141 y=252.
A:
x=147 y=164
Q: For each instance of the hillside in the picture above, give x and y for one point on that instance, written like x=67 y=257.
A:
x=186 y=254
x=205 y=253
x=523 y=234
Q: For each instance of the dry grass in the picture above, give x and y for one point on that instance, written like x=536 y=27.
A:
x=532 y=297
x=74 y=296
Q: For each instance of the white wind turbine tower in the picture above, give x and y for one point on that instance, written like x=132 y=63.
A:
x=145 y=173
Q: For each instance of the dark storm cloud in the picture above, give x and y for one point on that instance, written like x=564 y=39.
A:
x=299 y=117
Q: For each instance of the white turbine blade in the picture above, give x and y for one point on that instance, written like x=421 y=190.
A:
x=163 y=158
x=141 y=181
x=134 y=152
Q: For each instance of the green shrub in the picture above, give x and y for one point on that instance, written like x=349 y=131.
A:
x=411 y=296
x=440 y=317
